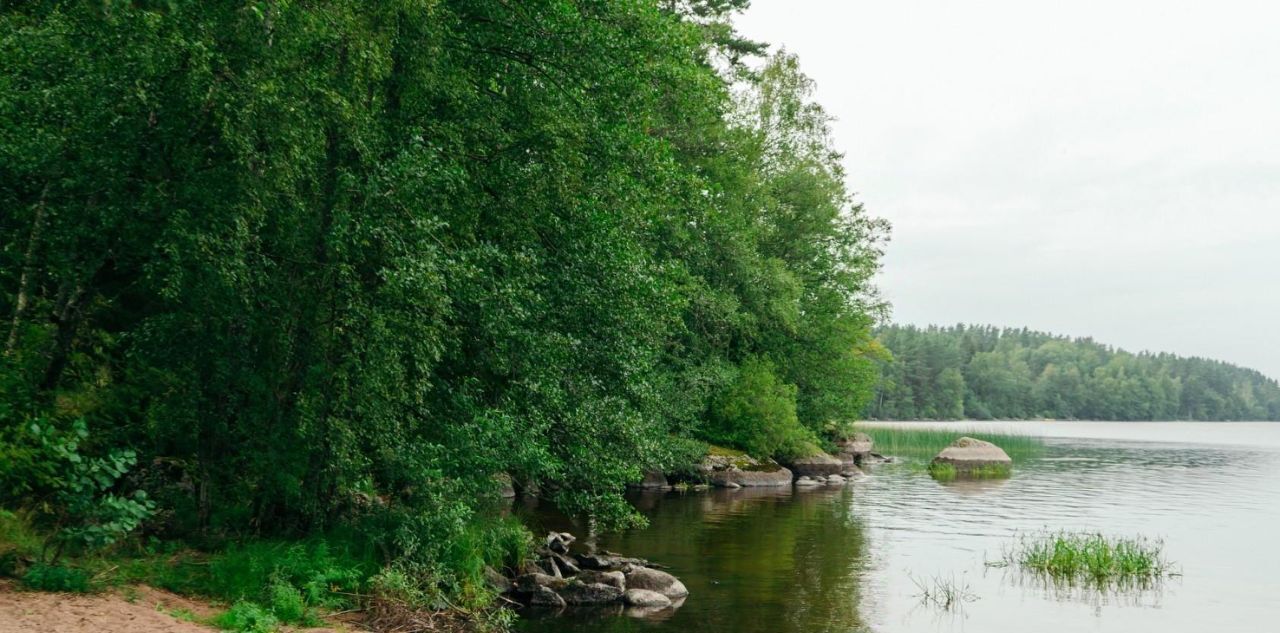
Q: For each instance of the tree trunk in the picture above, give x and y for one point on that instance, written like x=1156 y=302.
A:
x=28 y=272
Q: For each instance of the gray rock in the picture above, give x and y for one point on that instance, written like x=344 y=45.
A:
x=806 y=482
x=853 y=449
x=761 y=476
x=545 y=597
x=653 y=480
x=578 y=592
x=607 y=561
x=564 y=564
x=611 y=578
x=646 y=598
x=835 y=480
x=559 y=541
x=506 y=489
x=655 y=580
x=497 y=581
x=530 y=583
x=967 y=453
x=817 y=465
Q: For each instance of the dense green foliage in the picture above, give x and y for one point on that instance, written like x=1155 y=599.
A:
x=338 y=264
x=984 y=372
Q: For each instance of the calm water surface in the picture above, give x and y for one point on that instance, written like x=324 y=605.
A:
x=848 y=559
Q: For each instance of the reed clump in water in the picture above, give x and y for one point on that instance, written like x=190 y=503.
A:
x=944 y=593
x=1094 y=558
x=927 y=441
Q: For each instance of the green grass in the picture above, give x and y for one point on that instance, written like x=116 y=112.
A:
x=927 y=441
x=1087 y=557
x=948 y=472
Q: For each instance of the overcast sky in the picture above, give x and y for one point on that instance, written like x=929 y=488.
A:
x=1106 y=169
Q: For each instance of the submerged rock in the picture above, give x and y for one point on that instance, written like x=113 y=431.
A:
x=968 y=454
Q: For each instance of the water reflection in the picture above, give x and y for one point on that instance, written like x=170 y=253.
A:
x=842 y=559
x=754 y=560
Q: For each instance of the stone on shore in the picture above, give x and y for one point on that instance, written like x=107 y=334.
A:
x=968 y=453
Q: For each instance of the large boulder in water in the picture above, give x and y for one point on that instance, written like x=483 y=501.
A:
x=967 y=454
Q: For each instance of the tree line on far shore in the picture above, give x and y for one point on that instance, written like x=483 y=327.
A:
x=984 y=372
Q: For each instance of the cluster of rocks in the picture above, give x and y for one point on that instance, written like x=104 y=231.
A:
x=742 y=471
x=561 y=578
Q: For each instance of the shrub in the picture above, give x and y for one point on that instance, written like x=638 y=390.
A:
x=757 y=414
x=75 y=491
x=247 y=617
x=42 y=577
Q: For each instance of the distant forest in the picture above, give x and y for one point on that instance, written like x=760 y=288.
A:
x=984 y=372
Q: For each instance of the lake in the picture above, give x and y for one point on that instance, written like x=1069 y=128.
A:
x=850 y=559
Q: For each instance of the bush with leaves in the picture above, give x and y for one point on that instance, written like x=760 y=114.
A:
x=758 y=415
x=73 y=494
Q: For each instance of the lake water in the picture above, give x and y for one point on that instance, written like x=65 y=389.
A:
x=849 y=559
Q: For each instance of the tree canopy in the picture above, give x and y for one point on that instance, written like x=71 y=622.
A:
x=343 y=262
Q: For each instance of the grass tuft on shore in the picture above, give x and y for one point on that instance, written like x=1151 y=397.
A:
x=925 y=441
x=1089 y=557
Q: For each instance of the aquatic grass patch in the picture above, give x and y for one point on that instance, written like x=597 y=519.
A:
x=1088 y=557
x=949 y=472
x=926 y=441
x=946 y=593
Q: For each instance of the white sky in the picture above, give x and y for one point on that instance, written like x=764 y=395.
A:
x=1092 y=168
